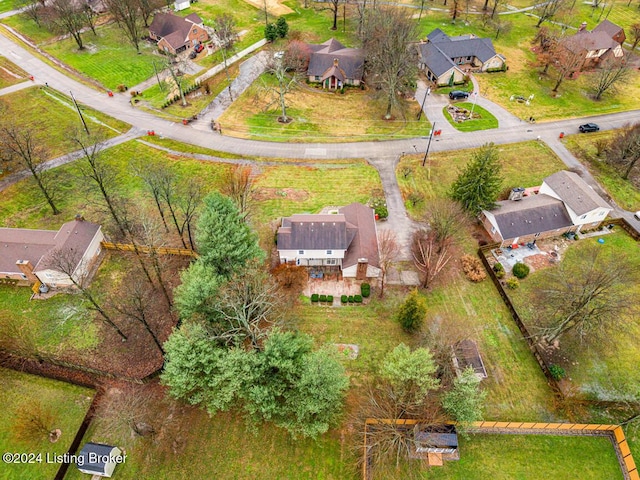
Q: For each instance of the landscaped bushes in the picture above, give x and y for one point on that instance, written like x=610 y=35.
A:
x=365 y=290
x=330 y=298
x=513 y=283
x=557 y=372
x=472 y=268
x=350 y=299
x=344 y=299
x=357 y=298
x=499 y=270
x=323 y=298
x=314 y=297
x=520 y=270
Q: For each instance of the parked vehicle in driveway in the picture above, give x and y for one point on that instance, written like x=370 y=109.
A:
x=637 y=215
x=588 y=127
x=458 y=94
x=193 y=54
x=198 y=48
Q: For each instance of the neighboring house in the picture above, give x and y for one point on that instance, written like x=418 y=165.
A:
x=346 y=241
x=333 y=65
x=99 y=459
x=446 y=60
x=564 y=203
x=175 y=34
x=435 y=443
x=27 y=256
x=604 y=41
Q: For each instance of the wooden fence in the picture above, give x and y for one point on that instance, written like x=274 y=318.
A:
x=128 y=247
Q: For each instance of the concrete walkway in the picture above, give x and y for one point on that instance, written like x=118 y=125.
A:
x=15 y=88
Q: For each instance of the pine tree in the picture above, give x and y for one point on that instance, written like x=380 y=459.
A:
x=412 y=312
x=479 y=184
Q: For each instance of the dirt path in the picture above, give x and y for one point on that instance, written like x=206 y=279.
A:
x=274 y=7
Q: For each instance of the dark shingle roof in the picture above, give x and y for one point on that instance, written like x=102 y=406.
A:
x=365 y=241
x=94 y=451
x=589 y=41
x=313 y=232
x=438 y=53
x=435 y=59
x=436 y=436
x=350 y=60
x=172 y=28
x=607 y=27
x=535 y=214
x=575 y=192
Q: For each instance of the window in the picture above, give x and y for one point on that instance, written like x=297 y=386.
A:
x=300 y=252
x=331 y=261
x=329 y=252
x=317 y=78
x=493 y=229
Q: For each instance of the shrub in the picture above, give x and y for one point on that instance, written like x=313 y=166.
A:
x=344 y=299
x=330 y=298
x=472 y=268
x=499 y=270
x=282 y=27
x=314 y=297
x=121 y=88
x=357 y=298
x=382 y=211
x=271 y=32
x=412 y=312
x=520 y=270
x=557 y=372
x=350 y=298
x=513 y=283
x=323 y=298
x=365 y=290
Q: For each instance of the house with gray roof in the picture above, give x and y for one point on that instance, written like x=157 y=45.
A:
x=28 y=256
x=334 y=65
x=446 y=60
x=175 y=34
x=563 y=203
x=345 y=241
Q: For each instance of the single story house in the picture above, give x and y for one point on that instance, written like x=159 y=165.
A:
x=563 y=203
x=435 y=444
x=446 y=60
x=346 y=241
x=28 y=256
x=604 y=41
x=334 y=65
x=175 y=34
x=99 y=459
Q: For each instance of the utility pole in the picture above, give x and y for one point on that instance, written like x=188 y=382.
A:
x=424 y=160
x=424 y=100
x=79 y=113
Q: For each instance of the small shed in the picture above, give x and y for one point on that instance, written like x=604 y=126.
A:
x=99 y=459
x=435 y=443
x=181 y=5
x=465 y=354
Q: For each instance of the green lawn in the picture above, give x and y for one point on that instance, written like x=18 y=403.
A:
x=10 y=73
x=441 y=170
x=108 y=57
x=28 y=28
x=67 y=404
x=625 y=194
x=531 y=457
x=6 y=5
x=601 y=370
x=484 y=122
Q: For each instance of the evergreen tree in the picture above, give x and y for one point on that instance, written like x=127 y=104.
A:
x=282 y=27
x=410 y=373
x=465 y=400
x=412 y=312
x=479 y=183
x=271 y=32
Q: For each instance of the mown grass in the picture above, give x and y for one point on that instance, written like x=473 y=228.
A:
x=623 y=192
x=54 y=119
x=108 y=57
x=6 y=5
x=10 y=73
x=484 y=122
x=441 y=170
x=67 y=403
x=603 y=368
x=28 y=28
x=360 y=118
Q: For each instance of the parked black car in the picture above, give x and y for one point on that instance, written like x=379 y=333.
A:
x=458 y=94
x=588 y=127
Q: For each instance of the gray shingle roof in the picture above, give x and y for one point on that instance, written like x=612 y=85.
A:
x=438 y=53
x=350 y=60
x=313 y=232
x=575 y=192
x=534 y=214
x=608 y=27
x=364 y=244
x=173 y=28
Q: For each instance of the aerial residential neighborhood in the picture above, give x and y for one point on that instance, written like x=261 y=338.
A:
x=292 y=239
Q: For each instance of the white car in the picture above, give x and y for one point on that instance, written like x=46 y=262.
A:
x=637 y=215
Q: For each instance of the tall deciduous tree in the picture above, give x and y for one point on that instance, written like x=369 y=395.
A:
x=623 y=152
x=430 y=256
x=286 y=79
x=129 y=17
x=464 y=402
x=389 y=61
x=21 y=144
x=588 y=295
x=634 y=33
x=547 y=10
x=611 y=73
x=388 y=252
x=225 y=28
x=238 y=185
x=412 y=312
x=479 y=183
x=68 y=16
x=569 y=58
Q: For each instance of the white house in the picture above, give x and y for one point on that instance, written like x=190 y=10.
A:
x=99 y=459
x=346 y=241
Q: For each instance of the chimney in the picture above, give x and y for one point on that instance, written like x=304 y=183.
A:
x=79 y=217
x=361 y=270
x=516 y=194
x=583 y=27
x=27 y=269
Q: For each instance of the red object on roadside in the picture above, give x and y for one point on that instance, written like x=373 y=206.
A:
x=184 y=121
x=31 y=77
x=561 y=134
x=110 y=93
x=377 y=217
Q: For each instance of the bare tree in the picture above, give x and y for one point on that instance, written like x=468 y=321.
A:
x=129 y=17
x=67 y=261
x=34 y=421
x=388 y=252
x=609 y=75
x=20 y=144
x=90 y=17
x=188 y=202
x=501 y=27
x=494 y=8
x=429 y=255
x=176 y=67
x=147 y=7
x=589 y=295
x=153 y=175
x=238 y=185
x=286 y=80
x=421 y=3
x=547 y=10
x=389 y=62
x=136 y=305
x=455 y=9
x=623 y=152
x=68 y=16
x=151 y=237
x=568 y=60
x=225 y=28
x=634 y=32
x=445 y=217
x=32 y=9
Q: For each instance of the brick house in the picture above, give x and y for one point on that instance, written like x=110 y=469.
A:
x=603 y=42
x=175 y=34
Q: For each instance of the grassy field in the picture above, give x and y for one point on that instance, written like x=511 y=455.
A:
x=623 y=192
x=10 y=73
x=360 y=118
x=602 y=370
x=108 y=57
x=484 y=122
x=441 y=170
x=54 y=119
x=67 y=404
x=6 y=5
